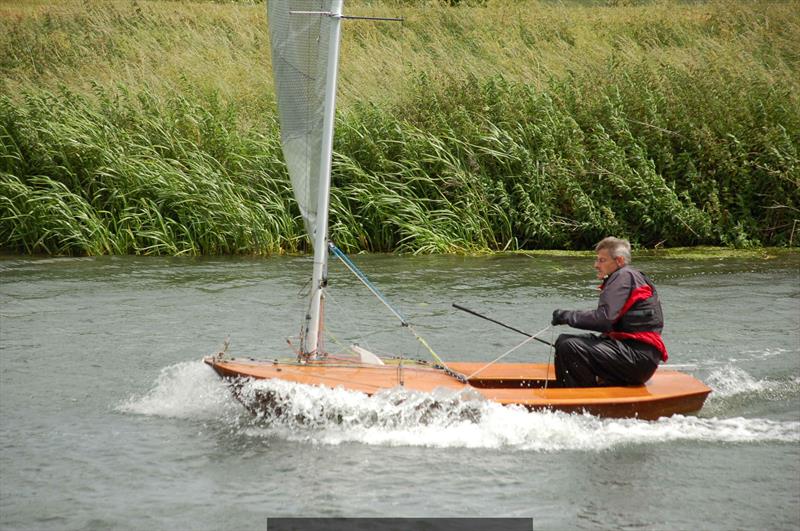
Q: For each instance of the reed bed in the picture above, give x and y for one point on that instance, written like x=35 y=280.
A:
x=149 y=127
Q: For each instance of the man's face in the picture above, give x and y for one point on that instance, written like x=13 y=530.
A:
x=606 y=265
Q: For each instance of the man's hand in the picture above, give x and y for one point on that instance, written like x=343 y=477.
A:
x=559 y=317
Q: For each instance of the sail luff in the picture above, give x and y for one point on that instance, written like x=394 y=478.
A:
x=304 y=37
x=320 y=272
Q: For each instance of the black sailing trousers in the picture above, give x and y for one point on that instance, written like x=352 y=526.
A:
x=589 y=360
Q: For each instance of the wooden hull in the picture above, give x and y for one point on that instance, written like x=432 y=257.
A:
x=526 y=384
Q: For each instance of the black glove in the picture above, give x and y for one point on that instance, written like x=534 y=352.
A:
x=559 y=317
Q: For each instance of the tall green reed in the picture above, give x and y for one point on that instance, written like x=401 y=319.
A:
x=494 y=125
x=125 y=174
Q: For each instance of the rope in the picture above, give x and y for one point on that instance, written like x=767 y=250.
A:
x=528 y=340
x=364 y=280
x=550 y=353
x=403 y=321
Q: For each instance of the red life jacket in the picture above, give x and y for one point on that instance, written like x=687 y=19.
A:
x=641 y=317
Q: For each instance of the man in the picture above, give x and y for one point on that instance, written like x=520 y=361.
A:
x=629 y=317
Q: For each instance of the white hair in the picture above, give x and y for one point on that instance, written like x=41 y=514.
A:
x=615 y=247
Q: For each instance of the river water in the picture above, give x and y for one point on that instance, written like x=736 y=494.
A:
x=109 y=419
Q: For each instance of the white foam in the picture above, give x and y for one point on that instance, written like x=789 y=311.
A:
x=731 y=381
x=184 y=390
x=770 y=352
x=442 y=419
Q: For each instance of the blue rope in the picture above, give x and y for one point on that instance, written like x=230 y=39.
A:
x=375 y=291
x=363 y=278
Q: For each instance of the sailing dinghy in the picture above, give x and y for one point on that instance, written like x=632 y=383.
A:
x=305 y=36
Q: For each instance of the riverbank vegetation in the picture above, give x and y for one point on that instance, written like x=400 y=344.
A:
x=150 y=127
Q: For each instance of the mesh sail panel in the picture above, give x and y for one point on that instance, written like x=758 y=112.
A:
x=300 y=45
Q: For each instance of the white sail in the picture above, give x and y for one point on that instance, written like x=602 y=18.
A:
x=300 y=45
x=304 y=37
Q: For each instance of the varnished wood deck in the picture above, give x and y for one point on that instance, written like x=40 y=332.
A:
x=667 y=393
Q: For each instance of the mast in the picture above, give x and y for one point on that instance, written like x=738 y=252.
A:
x=313 y=330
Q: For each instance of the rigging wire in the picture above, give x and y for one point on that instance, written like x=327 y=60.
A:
x=361 y=340
x=364 y=280
x=550 y=353
x=528 y=340
x=403 y=321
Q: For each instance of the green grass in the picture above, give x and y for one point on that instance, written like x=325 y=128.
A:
x=149 y=127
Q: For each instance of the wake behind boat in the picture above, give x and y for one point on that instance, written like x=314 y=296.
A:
x=304 y=37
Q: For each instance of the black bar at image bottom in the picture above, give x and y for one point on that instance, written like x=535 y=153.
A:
x=400 y=524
